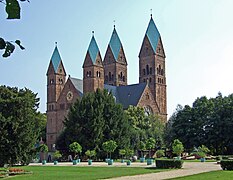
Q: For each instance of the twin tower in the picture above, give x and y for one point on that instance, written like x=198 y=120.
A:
x=109 y=73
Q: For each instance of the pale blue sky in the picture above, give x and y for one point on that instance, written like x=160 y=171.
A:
x=197 y=36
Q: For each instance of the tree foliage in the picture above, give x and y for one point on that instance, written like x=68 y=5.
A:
x=109 y=146
x=75 y=148
x=19 y=125
x=144 y=127
x=208 y=122
x=95 y=119
x=177 y=147
x=13 y=11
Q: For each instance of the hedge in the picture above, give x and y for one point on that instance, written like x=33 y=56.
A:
x=168 y=163
x=226 y=164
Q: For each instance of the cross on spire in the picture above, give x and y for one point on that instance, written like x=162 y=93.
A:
x=151 y=13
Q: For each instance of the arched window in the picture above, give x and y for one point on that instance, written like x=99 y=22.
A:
x=150 y=70
x=123 y=78
x=144 y=72
x=106 y=78
x=147 y=69
x=89 y=73
x=159 y=69
x=148 y=110
x=150 y=80
x=97 y=74
x=110 y=76
x=121 y=75
x=162 y=81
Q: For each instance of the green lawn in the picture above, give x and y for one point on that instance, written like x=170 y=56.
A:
x=210 y=175
x=86 y=173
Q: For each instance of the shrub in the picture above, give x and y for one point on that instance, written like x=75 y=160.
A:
x=226 y=164
x=225 y=157
x=168 y=163
x=160 y=153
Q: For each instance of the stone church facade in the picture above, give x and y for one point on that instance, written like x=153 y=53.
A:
x=108 y=73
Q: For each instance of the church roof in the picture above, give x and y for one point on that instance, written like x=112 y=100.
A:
x=93 y=49
x=127 y=95
x=78 y=84
x=56 y=59
x=152 y=34
x=115 y=44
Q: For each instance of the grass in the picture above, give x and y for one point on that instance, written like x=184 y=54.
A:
x=81 y=173
x=210 y=175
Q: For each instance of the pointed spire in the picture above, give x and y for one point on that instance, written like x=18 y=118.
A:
x=93 y=48
x=152 y=34
x=115 y=43
x=56 y=58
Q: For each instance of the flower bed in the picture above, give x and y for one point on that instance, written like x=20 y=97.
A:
x=13 y=172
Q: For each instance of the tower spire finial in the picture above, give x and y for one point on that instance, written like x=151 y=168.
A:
x=56 y=44
x=151 y=13
x=114 y=24
x=93 y=32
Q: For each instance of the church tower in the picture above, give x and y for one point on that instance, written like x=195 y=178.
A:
x=93 y=71
x=56 y=77
x=152 y=66
x=115 y=64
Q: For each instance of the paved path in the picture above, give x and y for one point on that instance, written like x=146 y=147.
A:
x=189 y=168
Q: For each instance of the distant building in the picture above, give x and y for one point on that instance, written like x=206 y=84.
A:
x=111 y=74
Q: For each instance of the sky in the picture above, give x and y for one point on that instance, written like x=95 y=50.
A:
x=197 y=36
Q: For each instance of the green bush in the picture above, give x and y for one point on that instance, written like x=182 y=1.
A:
x=168 y=163
x=225 y=157
x=226 y=164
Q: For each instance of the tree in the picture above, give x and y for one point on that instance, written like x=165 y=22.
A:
x=57 y=155
x=93 y=120
x=75 y=148
x=143 y=127
x=90 y=153
x=109 y=147
x=13 y=10
x=142 y=147
x=207 y=122
x=43 y=148
x=177 y=147
x=122 y=153
x=150 y=144
x=18 y=125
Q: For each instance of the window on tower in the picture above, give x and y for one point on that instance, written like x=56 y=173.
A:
x=144 y=72
x=147 y=69
x=150 y=70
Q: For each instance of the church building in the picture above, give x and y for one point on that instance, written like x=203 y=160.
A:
x=108 y=73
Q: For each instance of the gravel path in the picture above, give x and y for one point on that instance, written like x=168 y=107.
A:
x=189 y=168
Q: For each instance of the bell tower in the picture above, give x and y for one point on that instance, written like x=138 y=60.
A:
x=152 y=66
x=56 y=77
x=115 y=64
x=93 y=71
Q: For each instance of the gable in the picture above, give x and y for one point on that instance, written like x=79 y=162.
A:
x=147 y=99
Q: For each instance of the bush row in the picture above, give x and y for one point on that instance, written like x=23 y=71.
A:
x=168 y=163
x=226 y=164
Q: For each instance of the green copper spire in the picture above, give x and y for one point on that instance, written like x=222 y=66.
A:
x=152 y=34
x=56 y=59
x=93 y=49
x=115 y=43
